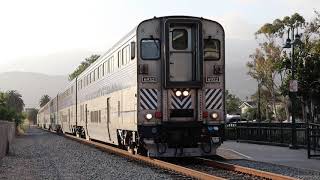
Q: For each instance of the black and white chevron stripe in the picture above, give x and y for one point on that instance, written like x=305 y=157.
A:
x=214 y=98
x=182 y=102
x=148 y=98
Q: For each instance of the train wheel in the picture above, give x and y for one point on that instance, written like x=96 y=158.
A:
x=142 y=151
x=130 y=150
x=86 y=136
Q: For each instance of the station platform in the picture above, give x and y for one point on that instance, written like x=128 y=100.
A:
x=266 y=153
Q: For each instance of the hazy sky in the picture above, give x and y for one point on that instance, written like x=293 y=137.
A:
x=33 y=28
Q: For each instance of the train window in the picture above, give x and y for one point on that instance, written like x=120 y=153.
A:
x=111 y=64
x=100 y=71
x=96 y=72
x=124 y=56
x=118 y=108
x=128 y=53
x=108 y=66
x=180 y=39
x=211 y=49
x=150 y=49
x=103 y=68
x=133 y=50
x=119 y=58
x=99 y=116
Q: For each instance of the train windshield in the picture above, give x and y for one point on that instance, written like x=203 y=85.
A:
x=150 y=49
x=211 y=49
x=180 y=39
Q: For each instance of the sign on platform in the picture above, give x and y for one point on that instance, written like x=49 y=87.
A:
x=293 y=86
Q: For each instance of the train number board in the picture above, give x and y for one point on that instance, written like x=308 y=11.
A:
x=213 y=79
x=149 y=79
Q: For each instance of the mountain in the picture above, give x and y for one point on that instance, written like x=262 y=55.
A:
x=58 y=63
x=32 y=85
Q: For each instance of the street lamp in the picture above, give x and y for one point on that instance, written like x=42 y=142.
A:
x=259 y=101
x=293 y=83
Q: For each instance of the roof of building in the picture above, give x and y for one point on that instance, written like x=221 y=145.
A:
x=250 y=104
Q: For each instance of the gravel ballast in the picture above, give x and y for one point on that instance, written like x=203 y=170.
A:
x=305 y=174
x=44 y=155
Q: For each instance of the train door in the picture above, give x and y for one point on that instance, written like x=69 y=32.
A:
x=69 y=118
x=183 y=69
x=86 y=121
x=180 y=54
x=108 y=117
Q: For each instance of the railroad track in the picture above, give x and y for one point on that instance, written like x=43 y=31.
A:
x=198 y=168
x=226 y=170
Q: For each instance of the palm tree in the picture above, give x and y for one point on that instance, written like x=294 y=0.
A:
x=44 y=100
x=3 y=99
x=14 y=101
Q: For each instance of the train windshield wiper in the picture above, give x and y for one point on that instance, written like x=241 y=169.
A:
x=155 y=42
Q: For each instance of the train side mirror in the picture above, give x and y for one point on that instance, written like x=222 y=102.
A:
x=133 y=50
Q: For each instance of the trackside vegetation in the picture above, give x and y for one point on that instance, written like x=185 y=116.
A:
x=271 y=65
x=83 y=66
x=11 y=107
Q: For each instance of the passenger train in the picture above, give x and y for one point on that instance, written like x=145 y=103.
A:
x=159 y=91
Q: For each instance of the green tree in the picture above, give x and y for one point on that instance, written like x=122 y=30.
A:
x=14 y=101
x=44 y=100
x=232 y=103
x=251 y=114
x=266 y=108
x=8 y=111
x=269 y=63
x=32 y=115
x=264 y=68
x=83 y=66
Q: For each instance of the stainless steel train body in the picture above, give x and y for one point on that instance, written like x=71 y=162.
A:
x=159 y=90
x=43 y=117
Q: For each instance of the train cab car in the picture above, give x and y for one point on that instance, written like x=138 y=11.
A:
x=181 y=86
x=159 y=91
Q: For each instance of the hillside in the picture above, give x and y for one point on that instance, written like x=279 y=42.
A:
x=32 y=85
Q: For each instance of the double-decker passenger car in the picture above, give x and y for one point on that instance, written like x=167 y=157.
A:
x=158 y=91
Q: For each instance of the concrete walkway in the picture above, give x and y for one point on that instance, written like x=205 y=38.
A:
x=271 y=154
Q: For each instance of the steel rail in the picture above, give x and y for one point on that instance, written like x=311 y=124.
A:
x=154 y=162
x=245 y=170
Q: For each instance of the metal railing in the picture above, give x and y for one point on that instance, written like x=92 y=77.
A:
x=308 y=136
x=313 y=142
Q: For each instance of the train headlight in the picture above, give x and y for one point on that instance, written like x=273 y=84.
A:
x=214 y=115
x=178 y=93
x=148 y=116
x=185 y=93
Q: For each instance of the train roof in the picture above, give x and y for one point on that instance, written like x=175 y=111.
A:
x=103 y=56
x=129 y=34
